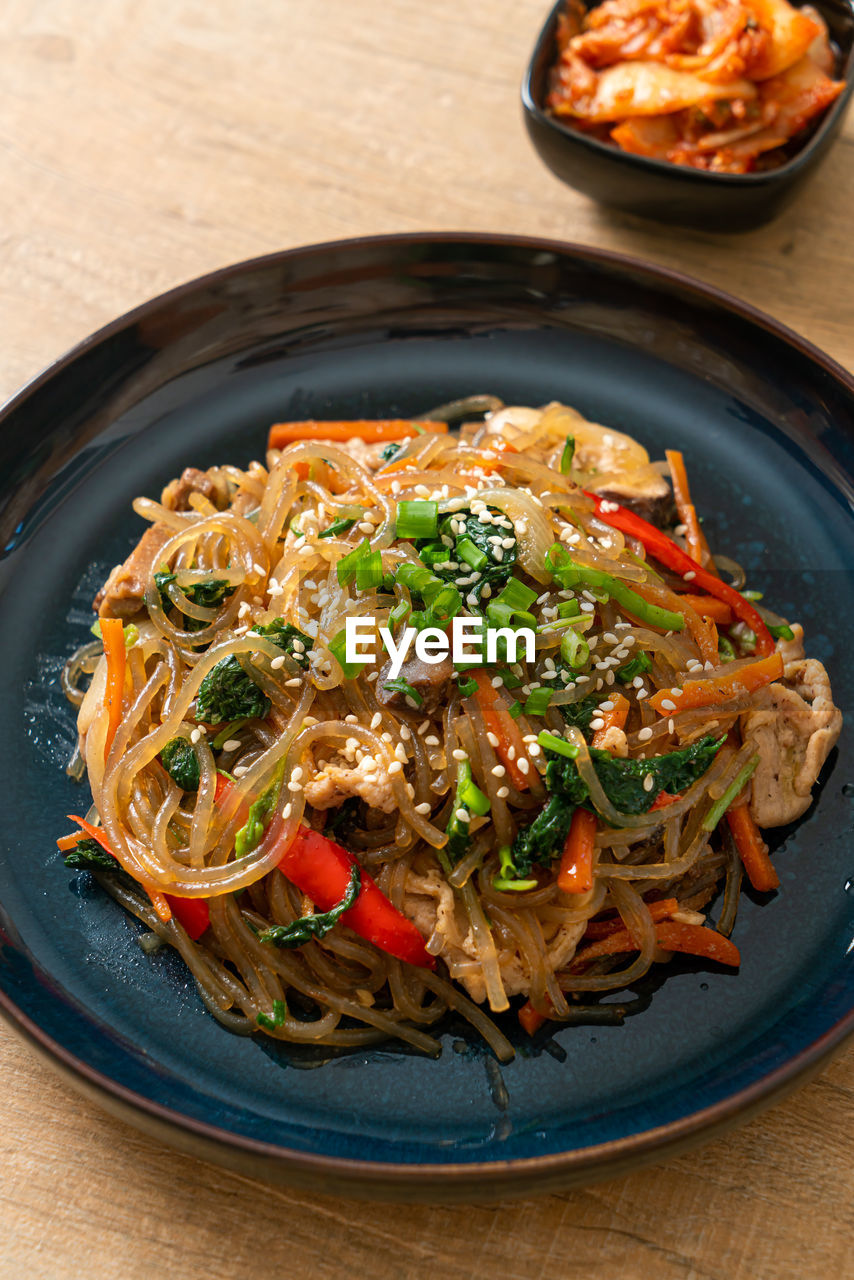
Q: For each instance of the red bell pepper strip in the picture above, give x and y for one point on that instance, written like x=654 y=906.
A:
x=321 y=869
x=673 y=557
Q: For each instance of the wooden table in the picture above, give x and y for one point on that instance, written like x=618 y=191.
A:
x=144 y=143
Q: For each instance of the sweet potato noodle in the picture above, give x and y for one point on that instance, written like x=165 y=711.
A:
x=342 y=854
x=722 y=85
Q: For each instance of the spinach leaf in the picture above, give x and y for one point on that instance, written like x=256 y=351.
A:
x=579 y=714
x=87 y=855
x=314 y=926
x=542 y=841
x=493 y=571
x=181 y=763
x=638 y=665
x=623 y=780
x=228 y=693
x=391 y=451
x=284 y=634
x=207 y=594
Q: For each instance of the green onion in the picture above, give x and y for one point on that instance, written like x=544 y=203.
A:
x=516 y=595
x=471 y=554
x=369 y=571
x=571 y=574
x=551 y=742
x=509 y=678
x=640 y=663
x=399 y=612
x=574 y=649
x=726 y=649
x=337 y=526
x=567 y=455
x=506 y=881
x=784 y=632
x=349 y=564
x=569 y=609
x=403 y=686
x=473 y=798
x=337 y=647
x=720 y=807
x=538 y=702
x=515 y=710
x=418 y=519
x=467 y=687
x=271 y=1021
x=446 y=604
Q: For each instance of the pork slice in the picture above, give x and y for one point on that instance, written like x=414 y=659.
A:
x=122 y=594
x=176 y=495
x=432 y=680
x=794 y=725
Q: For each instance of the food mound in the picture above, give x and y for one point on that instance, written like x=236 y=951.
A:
x=344 y=848
x=722 y=85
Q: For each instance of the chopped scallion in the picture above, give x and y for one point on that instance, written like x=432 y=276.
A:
x=417 y=519
x=538 y=702
x=551 y=742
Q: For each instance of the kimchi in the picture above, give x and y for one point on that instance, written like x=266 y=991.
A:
x=722 y=85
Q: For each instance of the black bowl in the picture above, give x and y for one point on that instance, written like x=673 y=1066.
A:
x=671 y=192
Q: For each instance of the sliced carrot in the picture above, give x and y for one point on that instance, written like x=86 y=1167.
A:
x=614 y=719
x=671 y=935
x=698 y=547
x=65 y=843
x=575 y=874
x=752 y=849
x=498 y=720
x=709 y=607
x=716 y=689
x=530 y=1018
x=700 y=631
x=372 y=431
x=113 y=636
x=663 y=799
x=604 y=928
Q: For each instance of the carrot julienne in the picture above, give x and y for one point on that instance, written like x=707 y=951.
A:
x=752 y=849
x=113 y=636
x=372 y=431
x=716 y=689
x=576 y=865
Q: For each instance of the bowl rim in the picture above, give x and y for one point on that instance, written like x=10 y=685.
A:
x=396 y=1180
x=681 y=172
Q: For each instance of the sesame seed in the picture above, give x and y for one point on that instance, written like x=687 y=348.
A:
x=294 y=786
x=644 y=735
x=423 y=727
x=405 y=733
x=365 y=526
x=462 y=815
x=278 y=663
x=395 y=767
x=606 y=706
x=259 y=569
x=496 y=682
x=288 y=810
x=492 y=739
x=689 y=576
x=511 y=753
x=431 y=740
x=597 y=723
x=410 y=791
x=294 y=683
x=423 y=808
x=386 y=737
x=498 y=770
x=524 y=765
x=642 y=693
x=648 y=782
x=400 y=753
x=240 y=769
x=195 y=735
x=671 y=726
x=376 y=720
x=231 y=745
x=459 y=754
x=374 y=675
x=667 y=705
x=351 y=719
x=610 y=638
x=503 y=793
x=534 y=749
x=243 y=610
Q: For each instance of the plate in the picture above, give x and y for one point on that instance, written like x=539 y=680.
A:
x=389 y=327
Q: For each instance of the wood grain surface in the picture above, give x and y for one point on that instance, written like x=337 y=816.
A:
x=145 y=141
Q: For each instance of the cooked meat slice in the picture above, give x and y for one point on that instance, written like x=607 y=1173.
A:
x=431 y=680
x=794 y=725
x=121 y=595
x=176 y=495
x=645 y=492
x=615 y=741
x=430 y=903
x=336 y=782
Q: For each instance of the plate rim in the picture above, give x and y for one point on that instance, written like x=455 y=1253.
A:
x=396 y=1179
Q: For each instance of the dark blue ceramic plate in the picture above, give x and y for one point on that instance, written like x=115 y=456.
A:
x=389 y=327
